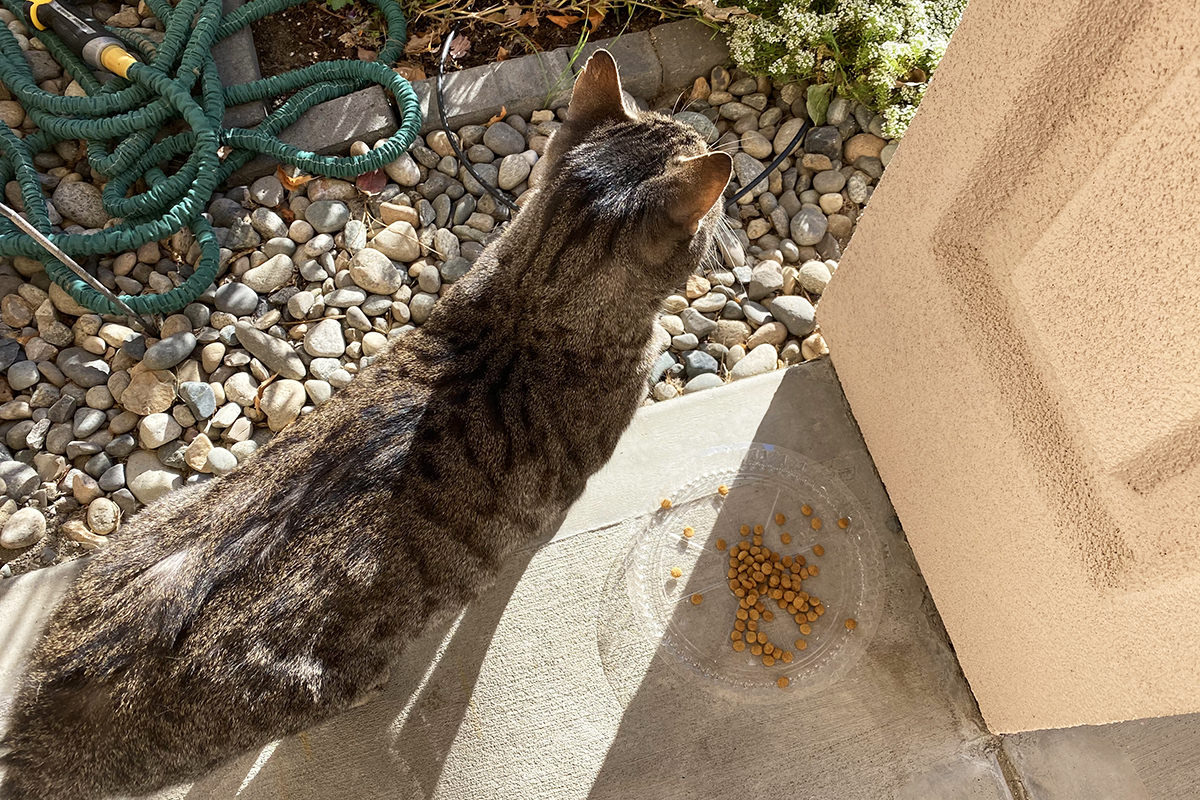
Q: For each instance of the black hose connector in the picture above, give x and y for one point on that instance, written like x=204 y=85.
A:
x=85 y=35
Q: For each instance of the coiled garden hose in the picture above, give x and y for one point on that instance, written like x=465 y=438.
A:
x=131 y=126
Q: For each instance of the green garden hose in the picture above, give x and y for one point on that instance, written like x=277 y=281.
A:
x=131 y=127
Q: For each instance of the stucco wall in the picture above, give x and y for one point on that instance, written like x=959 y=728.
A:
x=1017 y=328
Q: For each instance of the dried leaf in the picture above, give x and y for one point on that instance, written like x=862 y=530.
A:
x=596 y=18
x=503 y=113
x=410 y=71
x=710 y=11
x=372 y=182
x=291 y=178
x=420 y=44
x=367 y=55
x=501 y=53
x=527 y=20
x=563 y=20
x=460 y=46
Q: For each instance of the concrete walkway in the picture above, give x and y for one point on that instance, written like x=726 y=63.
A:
x=551 y=687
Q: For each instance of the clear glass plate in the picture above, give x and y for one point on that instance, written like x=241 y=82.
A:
x=763 y=481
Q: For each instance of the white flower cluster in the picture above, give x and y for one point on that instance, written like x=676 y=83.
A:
x=881 y=52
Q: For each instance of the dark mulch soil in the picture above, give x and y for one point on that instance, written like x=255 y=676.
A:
x=312 y=32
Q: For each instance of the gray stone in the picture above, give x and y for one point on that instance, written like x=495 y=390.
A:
x=325 y=339
x=825 y=140
x=404 y=171
x=199 y=398
x=170 y=351
x=454 y=268
x=375 y=272
x=24 y=528
x=113 y=478
x=760 y=360
x=797 y=313
x=272 y=274
x=830 y=180
x=766 y=279
x=87 y=421
x=148 y=479
x=155 y=430
x=814 y=276
x=235 y=298
x=421 y=306
x=697 y=323
x=697 y=362
x=281 y=402
x=10 y=351
x=345 y=298
x=504 y=140
x=267 y=191
x=20 y=480
x=514 y=169
x=706 y=380
x=355 y=235
x=327 y=215
x=80 y=201
x=268 y=223
x=747 y=168
x=86 y=369
x=398 y=242
x=221 y=461
x=808 y=226
x=276 y=354
x=22 y=375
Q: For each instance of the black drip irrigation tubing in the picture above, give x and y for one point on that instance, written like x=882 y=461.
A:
x=507 y=200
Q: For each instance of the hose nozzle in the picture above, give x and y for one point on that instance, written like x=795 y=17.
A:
x=86 y=36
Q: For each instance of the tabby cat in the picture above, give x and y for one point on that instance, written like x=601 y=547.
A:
x=252 y=606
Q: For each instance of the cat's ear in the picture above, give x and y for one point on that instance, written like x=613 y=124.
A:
x=696 y=185
x=597 y=93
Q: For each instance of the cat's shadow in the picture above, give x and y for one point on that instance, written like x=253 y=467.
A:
x=395 y=745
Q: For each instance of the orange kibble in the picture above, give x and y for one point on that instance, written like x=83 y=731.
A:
x=665 y=504
x=697 y=599
x=819 y=611
x=782 y=683
x=787 y=561
x=762 y=637
x=806 y=629
x=721 y=544
x=758 y=530
x=742 y=613
x=676 y=572
x=745 y=531
x=811 y=616
x=816 y=523
x=844 y=523
x=769 y=648
x=786 y=657
x=689 y=532
x=801 y=644
x=786 y=538
x=722 y=490
x=735 y=635
x=739 y=646
x=818 y=550
x=780 y=519
x=851 y=624
x=806 y=510
x=768 y=616
x=814 y=570
x=756 y=650
x=768 y=661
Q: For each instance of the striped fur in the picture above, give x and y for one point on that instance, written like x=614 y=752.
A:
x=257 y=604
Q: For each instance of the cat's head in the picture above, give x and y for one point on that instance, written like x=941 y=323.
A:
x=643 y=182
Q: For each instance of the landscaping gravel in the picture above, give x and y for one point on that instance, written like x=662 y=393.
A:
x=97 y=418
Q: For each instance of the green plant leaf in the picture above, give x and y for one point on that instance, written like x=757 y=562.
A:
x=817 y=101
x=337 y=4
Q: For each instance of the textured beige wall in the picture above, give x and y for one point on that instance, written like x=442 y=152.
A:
x=1017 y=328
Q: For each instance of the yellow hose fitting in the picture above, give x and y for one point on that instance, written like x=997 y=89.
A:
x=33 y=15
x=116 y=60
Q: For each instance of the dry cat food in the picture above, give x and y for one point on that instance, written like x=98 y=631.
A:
x=758 y=576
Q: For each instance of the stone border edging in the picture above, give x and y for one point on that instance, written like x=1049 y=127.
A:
x=663 y=59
